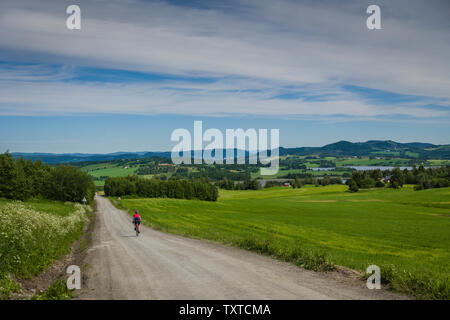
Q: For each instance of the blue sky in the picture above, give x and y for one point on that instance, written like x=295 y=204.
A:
x=138 y=70
x=111 y=133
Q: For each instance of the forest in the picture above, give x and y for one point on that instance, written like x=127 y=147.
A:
x=24 y=179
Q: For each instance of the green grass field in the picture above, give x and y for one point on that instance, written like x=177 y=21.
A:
x=372 y=162
x=112 y=172
x=439 y=162
x=98 y=166
x=405 y=232
x=107 y=170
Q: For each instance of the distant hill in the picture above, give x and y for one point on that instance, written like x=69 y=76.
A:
x=374 y=147
x=341 y=148
x=54 y=158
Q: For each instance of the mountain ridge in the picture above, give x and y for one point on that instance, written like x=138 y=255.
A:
x=339 y=148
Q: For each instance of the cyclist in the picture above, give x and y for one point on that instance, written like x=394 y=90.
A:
x=137 y=221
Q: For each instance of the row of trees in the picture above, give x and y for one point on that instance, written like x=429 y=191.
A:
x=24 y=179
x=216 y=172
x=396 y=178
x=155 y=188
x=298 y=163
x=273 y=183
x=428 y=178
x=377 y=179
x=247 y=184
x=317 y=181
x=101 y=178
x=371 y=179
x=296 y=183
x=155 y=169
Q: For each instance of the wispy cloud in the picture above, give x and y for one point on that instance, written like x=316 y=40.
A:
x=223 y=96
x=256 y=57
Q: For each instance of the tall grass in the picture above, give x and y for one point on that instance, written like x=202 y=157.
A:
x=57 y=291
x=31 y=240
x=308 y=258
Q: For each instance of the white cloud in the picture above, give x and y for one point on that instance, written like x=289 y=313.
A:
x=38 y=98
x=260 y=44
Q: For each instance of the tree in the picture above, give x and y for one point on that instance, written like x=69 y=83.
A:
x=22 y=184
x=367 y=183
x=297 y=183
x=7 y=175
x=71 y=184
x=397 y=179
x=20 y=179
x=353 y=186
x=379 y=184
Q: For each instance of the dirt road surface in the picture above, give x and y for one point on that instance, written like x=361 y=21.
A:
x=157 y=265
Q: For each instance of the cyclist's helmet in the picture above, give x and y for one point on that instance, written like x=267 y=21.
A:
x=136 y=211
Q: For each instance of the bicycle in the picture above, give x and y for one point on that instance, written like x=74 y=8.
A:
x=137 y=222
x=136 y=228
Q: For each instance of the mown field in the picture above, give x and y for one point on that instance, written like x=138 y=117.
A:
x=405 y=232
x=112 y=172
x=107 y=170
x=366 y=161
x=33 y=234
